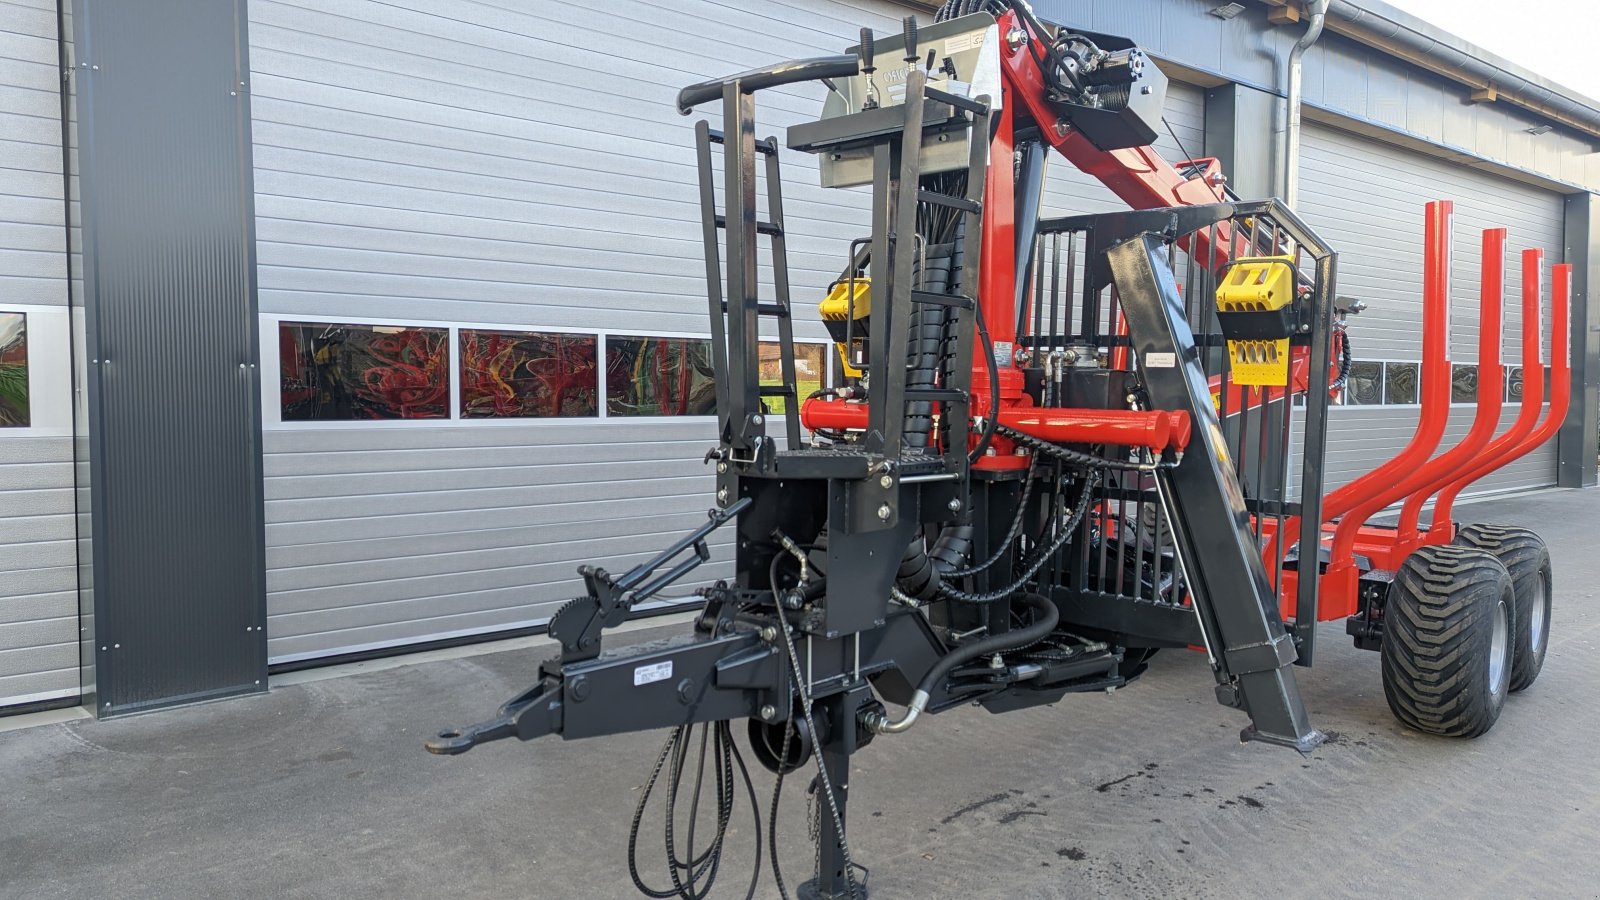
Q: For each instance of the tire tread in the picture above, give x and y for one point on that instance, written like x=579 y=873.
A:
x=1436 y=640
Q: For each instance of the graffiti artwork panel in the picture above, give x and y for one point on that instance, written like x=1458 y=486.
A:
x=344 y=372
x=14 y=412
x=510 y=374
x=658 y=376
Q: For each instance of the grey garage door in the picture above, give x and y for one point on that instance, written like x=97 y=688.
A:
x=467 y=163
x=1366 y=198
x=38 y=583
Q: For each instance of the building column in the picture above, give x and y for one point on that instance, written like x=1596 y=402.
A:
x=168 y=434
x=1576 y=443
x=1239 y=124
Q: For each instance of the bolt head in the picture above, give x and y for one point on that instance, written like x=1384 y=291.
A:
x=769 y=633
x=578 y=689
x=769 y=712
x=1015 y=38
x=886 y=482
x=954 y=504
x=884 y=512
x=758 y=419
x=722 y=496
x=722 y=467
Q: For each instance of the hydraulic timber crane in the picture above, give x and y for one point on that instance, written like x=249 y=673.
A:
x=1053 y=445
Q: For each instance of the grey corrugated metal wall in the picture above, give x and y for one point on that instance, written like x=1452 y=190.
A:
x=482 y=162
x=1366 y=198
x=38 y=581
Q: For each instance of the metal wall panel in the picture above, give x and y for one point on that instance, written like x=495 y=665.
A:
x=32 y=265
x=1343 y=78
x=473 y=162
x=38 y=579
x=38 y=582
x=172 y=419
x=1366 y=199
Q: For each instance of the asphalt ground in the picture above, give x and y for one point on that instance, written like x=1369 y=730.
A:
x=321 y=789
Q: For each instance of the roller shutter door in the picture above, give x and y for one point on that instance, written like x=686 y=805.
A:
x=38 y=562
x=486 y=162
x=1366 y=198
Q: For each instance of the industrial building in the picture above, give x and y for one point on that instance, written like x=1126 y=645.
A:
x=340 y=328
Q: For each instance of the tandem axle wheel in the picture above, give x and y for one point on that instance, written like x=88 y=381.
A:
x=1462 y=626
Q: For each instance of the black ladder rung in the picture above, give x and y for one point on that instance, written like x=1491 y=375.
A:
x=762 y=146
x=956 y=300
x=766 y=228
x=961 y=203
x=936 y=395
x=766 y=309
x=955 y=100
x=779 y=390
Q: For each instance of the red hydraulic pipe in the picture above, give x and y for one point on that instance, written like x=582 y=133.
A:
x=1523 y=437
x=996 y=279
x=834 y=415
x=1156 y=429
x=1358 y=500
x=1491 y=388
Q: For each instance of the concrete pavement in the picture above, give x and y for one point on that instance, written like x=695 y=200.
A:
x=321 y=789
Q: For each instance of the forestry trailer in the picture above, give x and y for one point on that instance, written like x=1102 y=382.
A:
x=1056 y=445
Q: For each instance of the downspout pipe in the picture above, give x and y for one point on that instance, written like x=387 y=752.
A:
x=1291 y=139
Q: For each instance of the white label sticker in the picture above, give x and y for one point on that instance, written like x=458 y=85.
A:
x=963 y=42
x=1161 y=360
x=1004 y=353
x=650 y=674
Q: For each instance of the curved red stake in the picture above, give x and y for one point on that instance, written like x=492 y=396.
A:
x=1358 y=500
x=1440 y=471
x=1523 y=438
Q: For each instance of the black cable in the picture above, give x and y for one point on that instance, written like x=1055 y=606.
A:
x=1048 y=617
x=949 y=592
x=990 y=420
x=1066 y=454
x=1345 y=358
x=1005 y=542
x=825 y=782
x=777 y=796
x=694 y=875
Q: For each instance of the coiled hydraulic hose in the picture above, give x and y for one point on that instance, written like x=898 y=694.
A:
x=1047 y=616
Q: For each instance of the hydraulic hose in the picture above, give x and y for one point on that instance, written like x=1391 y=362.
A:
x=1047 y=617
x=1345 y=359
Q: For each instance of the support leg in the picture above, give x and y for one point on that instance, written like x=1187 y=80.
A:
x=834 y=874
